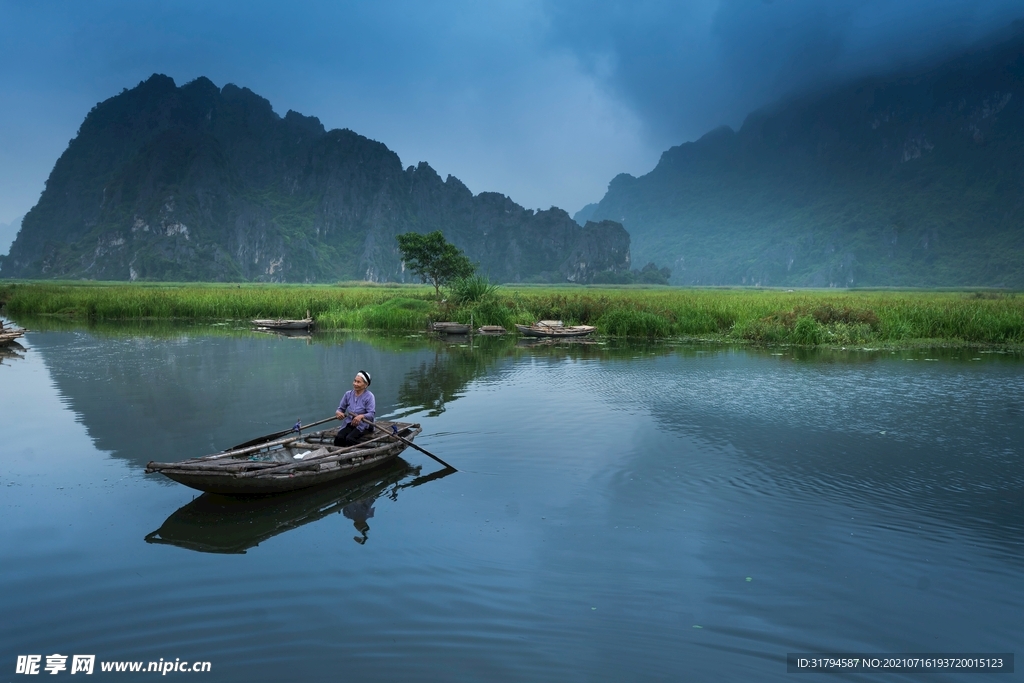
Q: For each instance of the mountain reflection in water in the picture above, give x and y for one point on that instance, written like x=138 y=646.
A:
x=223 y=524
x=611 y=497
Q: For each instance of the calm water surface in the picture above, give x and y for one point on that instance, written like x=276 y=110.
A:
x=621 y=513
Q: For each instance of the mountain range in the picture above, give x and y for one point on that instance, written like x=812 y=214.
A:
x=204 y=183
x=914 y=179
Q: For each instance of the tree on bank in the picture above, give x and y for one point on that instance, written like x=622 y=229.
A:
x=434 y=259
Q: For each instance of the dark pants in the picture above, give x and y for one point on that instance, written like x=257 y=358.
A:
x=349 y=435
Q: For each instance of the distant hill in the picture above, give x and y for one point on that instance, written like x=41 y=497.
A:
x=8 y=231
x=585 y=214
x=205 y=183
x=912 y=180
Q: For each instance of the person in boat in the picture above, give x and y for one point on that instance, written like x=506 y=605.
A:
x=357 y=410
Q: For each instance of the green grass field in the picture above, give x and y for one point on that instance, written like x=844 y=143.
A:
x=804 y=317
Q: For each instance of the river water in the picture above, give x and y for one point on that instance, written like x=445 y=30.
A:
x=621 y=512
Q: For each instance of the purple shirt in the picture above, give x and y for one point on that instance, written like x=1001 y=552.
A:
x=358 y=405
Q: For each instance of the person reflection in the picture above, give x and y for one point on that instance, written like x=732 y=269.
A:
x=359 y=512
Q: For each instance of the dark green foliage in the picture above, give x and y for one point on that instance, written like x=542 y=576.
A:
x=434 y=259
x=808 y=331
x=648 y=275
x=652 y=275
x=467 y=290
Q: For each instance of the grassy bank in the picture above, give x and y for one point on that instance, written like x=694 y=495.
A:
x=759 y=316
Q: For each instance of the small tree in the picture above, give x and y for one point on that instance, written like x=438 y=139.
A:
x=434 y=259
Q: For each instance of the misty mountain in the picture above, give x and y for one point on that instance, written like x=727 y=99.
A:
x=205 y=183
x=8 y=231
x=908 y=180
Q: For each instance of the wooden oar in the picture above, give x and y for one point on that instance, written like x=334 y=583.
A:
x=278 y=435
x=406 y=442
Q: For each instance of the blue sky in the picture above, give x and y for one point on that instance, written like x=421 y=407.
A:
x=543 y=101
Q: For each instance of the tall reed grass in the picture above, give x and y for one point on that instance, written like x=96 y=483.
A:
x=758 y=316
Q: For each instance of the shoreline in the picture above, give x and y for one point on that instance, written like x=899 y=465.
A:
x=883 y=319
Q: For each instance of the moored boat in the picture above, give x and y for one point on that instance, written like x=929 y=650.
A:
x=554 y=328
x=491 y=329
x=281 y=324
x=288 y=463
x=450 y=328
x=9 y=335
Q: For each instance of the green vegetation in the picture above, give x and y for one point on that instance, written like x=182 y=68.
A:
x=434 y=259
x=804 y=317
x=648 y=275
x=334 y=307
x=467 y=290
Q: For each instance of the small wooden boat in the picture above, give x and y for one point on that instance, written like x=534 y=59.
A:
x=491 y=330
x=450 y=328
x=267 y=324
x=554 y=328
x=222 y=524
x=232 y=524
x=9 y=335
x=287 y=463
x=281 y=324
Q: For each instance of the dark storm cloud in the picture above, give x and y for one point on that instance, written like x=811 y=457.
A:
x=469 y=87
x=542 y=100
x=687 y=68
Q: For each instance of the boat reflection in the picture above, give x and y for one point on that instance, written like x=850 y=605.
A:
x=304 y=334
x=225 y=524
x=11 y=351
x=538 y=342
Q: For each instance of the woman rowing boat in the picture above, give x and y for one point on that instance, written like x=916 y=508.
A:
x=356 y=410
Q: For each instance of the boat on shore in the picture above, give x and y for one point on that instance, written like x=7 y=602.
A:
x=288 y=463
x=554 y=329
x=450 y=328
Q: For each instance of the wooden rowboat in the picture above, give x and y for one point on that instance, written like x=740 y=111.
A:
x=229 y=524
x=267 y=324
x=232 y=524
x=450 y=328
x=288 y=463
x=557 y=331
x=9 y=335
